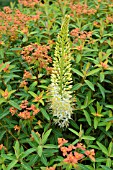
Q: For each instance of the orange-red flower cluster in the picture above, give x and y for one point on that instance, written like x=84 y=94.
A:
x=27 y=112
x=28 y=3
x=82 y=35
x=82 y=9
x=23 y=83
x=27 y=75
x=71 y=152
x=11 y=22
x=90 y=154
x=73 y=159
x=13 y=110
x=35 y=52
x=109 y=19
x=24 y=115
x=61 y=141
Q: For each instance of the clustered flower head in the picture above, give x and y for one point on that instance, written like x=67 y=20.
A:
x=60 y=87
x=27 y=112
x=82 y=9
x=13 y=21
x=28 y=3
x=34 y=52
x=80 y=35
x=73 y=154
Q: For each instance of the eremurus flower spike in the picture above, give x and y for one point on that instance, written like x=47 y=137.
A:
x=60 y=88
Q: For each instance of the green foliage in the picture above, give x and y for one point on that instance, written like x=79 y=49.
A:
x=41 y=48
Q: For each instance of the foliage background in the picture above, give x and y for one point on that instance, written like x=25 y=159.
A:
x=28 y=134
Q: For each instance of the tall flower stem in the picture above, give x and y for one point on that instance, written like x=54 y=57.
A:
x=60 y=88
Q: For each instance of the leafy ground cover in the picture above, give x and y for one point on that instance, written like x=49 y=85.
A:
x=56 y=85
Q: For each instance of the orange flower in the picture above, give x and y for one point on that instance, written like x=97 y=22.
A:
x=27 y=75
x=79 y=48
x=34 y=109
x=24 y=104
x=6 y=68
x=64 y=150
x=71 y=147
x=24 y=115
x=7 y=10
x=104 y=65
x=5 y=94
x=78 y=156
x=90 y=154
x=71 y=159
x=16 y=127
x=23 y=83
x=61 y=141
x=80 y=146
x=1 y=146
x=13 y=110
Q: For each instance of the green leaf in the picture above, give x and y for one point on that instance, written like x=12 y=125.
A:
x=76 y=86
x=8 y=157
x=102 y=76
x=108 y=162
x=96 y=121
x=40 y=150
x=32 y=86
x=77 y=72
x=73 y=131
x=2 y=53
x=4 y=113
x=14 y=104
x=32 y=94
x=26 y=166
x=45 y=114
x=50 y=146
x=87 y=117
x=2 y=134
x=78 y=58
x=105 y=167
x=110 y=148
x=17 y=149
x=109 y=106
x=16 y=49
x=44 y=160
x=88 y=137
x=102 y=90
x=91 y=86
x=35 y=136
x=42 y=86
x=102 y=148
x=45 y=136
x=29 y=151
x=83 y=167
x=108 y=125
x=34 y=159
x=3 y=167
x=93 y=72
x=2 y=100
x=109 y=119
x=12 y=164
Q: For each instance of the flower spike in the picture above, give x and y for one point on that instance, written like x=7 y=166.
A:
x=61 y=78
